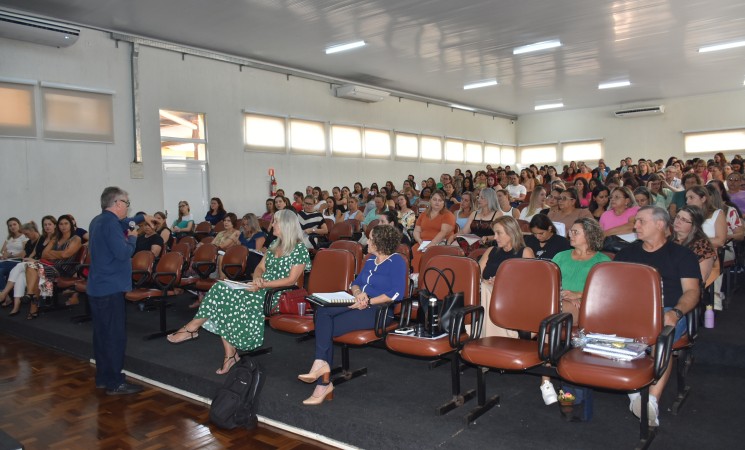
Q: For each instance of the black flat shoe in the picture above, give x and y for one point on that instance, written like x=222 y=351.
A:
x=125 y=389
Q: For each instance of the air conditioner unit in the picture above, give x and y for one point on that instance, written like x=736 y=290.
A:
x=360 y=93
x=640 y=111
x=38 y=31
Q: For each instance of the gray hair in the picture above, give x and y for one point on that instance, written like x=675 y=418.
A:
x=491 y=198
x=659 y=214
x=110 y=195
x=290 y=232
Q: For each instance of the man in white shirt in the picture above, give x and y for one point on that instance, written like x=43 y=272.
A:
x=516 y=190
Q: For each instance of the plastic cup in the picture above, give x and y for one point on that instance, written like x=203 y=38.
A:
x=301 y=309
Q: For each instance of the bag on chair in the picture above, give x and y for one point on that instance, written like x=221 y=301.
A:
x=447 y=306
x=288 y=301
x=236 y=402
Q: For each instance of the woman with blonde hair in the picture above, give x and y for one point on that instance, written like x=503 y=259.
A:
x=509 y=244
x=237 y=315
x=536 y=206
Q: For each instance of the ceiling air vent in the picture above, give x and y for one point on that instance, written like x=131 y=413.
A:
x=640 y=111
x=360 y=93
x=38 y=31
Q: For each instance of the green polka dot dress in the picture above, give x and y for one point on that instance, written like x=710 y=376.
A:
x=237 y=315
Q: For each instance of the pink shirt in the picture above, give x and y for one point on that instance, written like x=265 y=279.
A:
x=609 y=219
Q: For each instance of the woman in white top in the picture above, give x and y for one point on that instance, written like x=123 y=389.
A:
x=329 y=211
x=503 y=199
x=353 y=210
x=715 y=225
x=13 y=250
x=536 y=205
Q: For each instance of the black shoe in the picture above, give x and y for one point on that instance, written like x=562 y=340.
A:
x=125 y=389
x=100 y=386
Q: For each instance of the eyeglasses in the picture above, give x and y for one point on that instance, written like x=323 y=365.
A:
x=574 y=232
x=126 y=202
x=733 y=179
x=308 y=204
x=565 y=199
x=680 y=218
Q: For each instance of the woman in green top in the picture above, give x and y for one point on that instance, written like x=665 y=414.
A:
x=586 y=236
x=237 y=315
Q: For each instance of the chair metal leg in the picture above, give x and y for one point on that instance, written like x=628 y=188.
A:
x=457 y=398
x=484 y=405
x=162 y=305
x=437 y=363
x=86 y=317
x=683 y=363
x=256 y=352
x=306 y=336
x=347 y=374
x=646 y=433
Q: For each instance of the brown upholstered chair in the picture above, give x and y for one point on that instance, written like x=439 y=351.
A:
x=188 y=240
x=355 y=248
x=204 y=262
x=166 y=277
x=526 y=297
x=524 y=225
x=63 y=283
x=624 y=299
x=338 y=231
x=202 y=230
x=467 y=277
x=370 y=226
x=264 y=224
x=683 y=352
x=81 y=287
x=184 y=249
x=361 y=338
x=219 y=226
x=476 y=254
x=234 y=263
x=333 y=271
x=207 y=240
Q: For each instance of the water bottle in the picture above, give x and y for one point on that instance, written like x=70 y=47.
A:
x=709 y=317
x=433 y=317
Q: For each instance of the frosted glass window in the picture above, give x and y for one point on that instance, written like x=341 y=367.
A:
x=346 y=140
x=407 y=146
x=17 y=115
x=182 y=135
x=454 y=150
x=492 y=154
x=582 y=151
x=307 y=137
x=431 y=148
x=265 y=133
x=377 y=143
x=77 y=115
x=474 y=153
x=508 y=156
x=716 y=141
x=535 y=154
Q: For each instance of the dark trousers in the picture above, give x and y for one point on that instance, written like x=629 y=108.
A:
x=109 y=338
x=332 y=321
x=5 y=268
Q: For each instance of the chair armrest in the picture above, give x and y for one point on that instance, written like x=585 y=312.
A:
x=406 y=306
x=203 y=268
x=692 y=318
x=81 y=271
x=270 y=294
x=380 y=317
x=165 y=286
x=233 y=266
x=559 y=329
x=663 y=349
x=476 y=312
x=143 y=279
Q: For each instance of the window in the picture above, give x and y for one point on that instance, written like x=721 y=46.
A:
x=431 y=148
x=508 y=155
x=407 y=146
x=377 y=143
x=307 y=137
x=346 y=140
x=454 y=150
x=265 y=133
x=474 y=152
x=182 y=135
x=492 y=154
x=582 y=151
x=77 y=115
x=17 y=115
x=535 y=154
x=715 y=141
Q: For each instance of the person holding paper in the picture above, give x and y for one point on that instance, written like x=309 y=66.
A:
x=237 y=315
x=382 y=280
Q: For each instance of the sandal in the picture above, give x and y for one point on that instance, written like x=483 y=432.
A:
x=227 y=360
x=33 y=312
x=192 y=335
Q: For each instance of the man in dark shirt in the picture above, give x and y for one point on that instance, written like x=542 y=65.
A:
x=680 y=274
x=109 y=278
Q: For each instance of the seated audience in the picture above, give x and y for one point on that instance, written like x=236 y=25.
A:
x=584 y=193
x=537 y=204
x=312 y=224
x=464 y=212
x=600 y=201
x=433 y=227
x=480 y=222
x=451 y=198
x=270 y=209
x=661 y=196
x=516 y=192
x=642 y=196
x=378 y=209
x=12 y=251
x=149 y=240
x=253 y=238
x=619 y=219
x=715 y=223
x=505 y=207
x=688 y=232
x=237 y=315
x=406 y=216
x=161 y=227
x=689 y=180
x=216 y=213
x=16 y=280
x=568 y=210
x=184 y=225
x=329 y=210
x=543 y=239
x=736 y=195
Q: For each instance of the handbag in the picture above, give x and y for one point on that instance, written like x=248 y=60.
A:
x=289 y=301
x=614 y=244
x=448 y=306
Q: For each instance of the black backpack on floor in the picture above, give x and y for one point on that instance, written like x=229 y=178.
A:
x=236 y=402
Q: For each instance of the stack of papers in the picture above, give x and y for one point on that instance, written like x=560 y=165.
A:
x=614 y=347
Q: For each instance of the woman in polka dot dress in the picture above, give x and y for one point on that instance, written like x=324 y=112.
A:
x=237 y=315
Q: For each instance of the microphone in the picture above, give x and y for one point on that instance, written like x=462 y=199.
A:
x=132 y=225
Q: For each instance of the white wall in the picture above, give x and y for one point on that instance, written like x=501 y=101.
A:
x=653 y=137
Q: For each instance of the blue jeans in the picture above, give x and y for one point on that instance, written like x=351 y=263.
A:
x=5 y=268
x=109 y=338
x=681 y=327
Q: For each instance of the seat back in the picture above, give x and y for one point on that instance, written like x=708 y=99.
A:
x=526 y=291
x=264 y=224
x=333 y=271
x=437 y=250
x=205 y=253
x=355 y=248
x=207 y=240
x=234 y=261
x=355 y=224
x=623 y=299
x=142 y=266
x=203 y=229
x=476 y=254
x=467 y=277
x=524 y=225
x=370 y=226
x=187 y=240
x=219 y=226
x=329 y=224
x=170 y=263
x=339 y=231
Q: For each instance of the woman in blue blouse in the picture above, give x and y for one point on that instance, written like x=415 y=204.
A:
x=382 y=280
x=216 y=213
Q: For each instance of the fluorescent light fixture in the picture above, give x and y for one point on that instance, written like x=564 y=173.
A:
x=344 y=47
x=536 y=47
x=614 y=84
x=467 y=108
x=549 y=106
x=480 y=84
x=717 y=47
